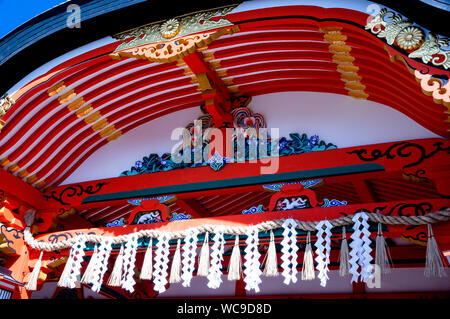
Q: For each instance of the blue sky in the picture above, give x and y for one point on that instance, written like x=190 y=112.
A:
x=13 y=13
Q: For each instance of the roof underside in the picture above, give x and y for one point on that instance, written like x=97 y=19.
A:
x=82 y=104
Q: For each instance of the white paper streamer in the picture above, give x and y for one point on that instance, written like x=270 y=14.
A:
x=289 y=250
x=360 y=249
x=189 y=254
x=73 y=266
x=217 y=249
x=161 y=263
x=129 y=259
x=323 y=250
x=252 y=271
x=101 y=263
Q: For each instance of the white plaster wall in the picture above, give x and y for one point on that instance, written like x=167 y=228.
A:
x=337 y=119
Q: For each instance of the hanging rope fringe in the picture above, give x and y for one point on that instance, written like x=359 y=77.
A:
x=344 y=266
x=356 y=262
x=147 y=265
x=203 y=264
x=101 y=265
x=32 y=283
x=87 y=276
x=434 y=266
x=235 y=265
x=271 y=267
x=382 y=255
x=308 y=263
x=115 y=278
x=175 y=271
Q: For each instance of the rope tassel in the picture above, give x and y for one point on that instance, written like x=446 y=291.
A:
x=344 y=266
x=87 y=276
x=308 y=262
x=147 y=266
x=115 y=278
x=235 y=265
x=203 y=263
x=32 y=283
x=271 y=267
x=382 y=255
x=434 y=266
x=175 y=271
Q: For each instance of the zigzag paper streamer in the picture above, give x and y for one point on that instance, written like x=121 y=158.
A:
x=101 y=265
x=189 y=253
x=323 y=250
x=161 y=263
x=360 y=248
x=289 y=250
x=129 y=259
x=217 y=249
x=252 y=271
x=73 y=265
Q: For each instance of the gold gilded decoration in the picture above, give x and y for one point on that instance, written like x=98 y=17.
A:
x=188 y=24
x=170 y=28
x=67 y=96
x=410 y=38
x=5 y=104
x=387 y=29
x=174 y=50
x=433 y=87
x=391 y=26
x=57 y=88
x=431 y=50
x=343 y=59
x=4 y=162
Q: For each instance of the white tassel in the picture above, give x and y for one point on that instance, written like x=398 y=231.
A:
x=271 y=267
x=344 y=266
x=434 y=266
x=147 y=266
x=87 y=276
x=235 y=265
x=64 y=278
x=203 y=264
x=382 y=255
x=115 y=279
x=308 y=261
x=32 y=283
x=175 y=271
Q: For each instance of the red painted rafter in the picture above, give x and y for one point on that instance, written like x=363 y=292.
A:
x=192 y=207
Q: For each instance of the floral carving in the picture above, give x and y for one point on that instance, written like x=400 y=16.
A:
x=170 y=28
x=410 y=38
x=434 y=87
x=387 y=29
x=177 y=27
x=395 y=29
x=431 y=50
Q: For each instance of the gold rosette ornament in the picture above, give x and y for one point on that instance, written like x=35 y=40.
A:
x=410 y=38
x=170 y=28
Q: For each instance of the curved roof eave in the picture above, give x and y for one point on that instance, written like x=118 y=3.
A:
x=103 y=19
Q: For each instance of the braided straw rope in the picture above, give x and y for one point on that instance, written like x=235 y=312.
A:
x=438 y=216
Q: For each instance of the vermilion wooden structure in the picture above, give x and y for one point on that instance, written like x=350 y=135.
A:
x=41 y=147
